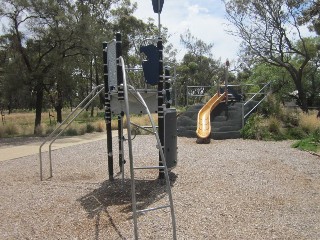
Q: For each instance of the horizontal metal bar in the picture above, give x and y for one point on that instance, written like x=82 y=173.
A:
x=152 y=209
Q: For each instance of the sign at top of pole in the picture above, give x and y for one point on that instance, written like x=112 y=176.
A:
x=157 y=5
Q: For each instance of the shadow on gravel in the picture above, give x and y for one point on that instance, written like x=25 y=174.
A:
x=118 y=193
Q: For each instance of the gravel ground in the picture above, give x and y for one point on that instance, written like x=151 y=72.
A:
x=230 y=189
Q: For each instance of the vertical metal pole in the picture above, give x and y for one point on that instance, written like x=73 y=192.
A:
x=175 y=87
x=160 y=105
x=119 y=67
x=167 y=87
x=107 y=111
x=187 y=97
x=159 y=20
x=226 y=80
x=120 y=98
x=242 y=114
x=120 y=139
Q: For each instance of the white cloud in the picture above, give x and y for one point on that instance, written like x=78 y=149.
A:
x=196 y=9
x=205 y=20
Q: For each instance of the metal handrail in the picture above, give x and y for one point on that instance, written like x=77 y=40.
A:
x=256 y=94
x=92 y=95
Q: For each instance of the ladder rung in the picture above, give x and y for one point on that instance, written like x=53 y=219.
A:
x=152 y=209
x=150 y=167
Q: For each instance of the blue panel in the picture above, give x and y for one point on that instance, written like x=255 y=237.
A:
x=151 y=64
x=155 y=5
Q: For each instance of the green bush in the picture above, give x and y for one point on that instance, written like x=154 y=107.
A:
x=311 y=143
x=296 y=133
x=100 y=115
x=316 y=135
x=253 y=128
x=85 y=115
x=89 y=128
x=274 y=125
x=290 y=119
x=271 y=107
x=71 y=132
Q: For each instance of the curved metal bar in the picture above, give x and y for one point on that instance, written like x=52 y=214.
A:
x=131 y=156
x=55 y=138
x=133 y=193
x=60 y=126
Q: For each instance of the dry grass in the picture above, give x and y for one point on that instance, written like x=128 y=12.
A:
x=22 y=123
x=309 y=122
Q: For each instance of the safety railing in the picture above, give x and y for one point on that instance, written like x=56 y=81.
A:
x=69 y=119
x=262 y=94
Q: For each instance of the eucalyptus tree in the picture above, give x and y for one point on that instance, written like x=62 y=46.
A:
x=197 y=66
x=38 y=40
x=270 y=30
x=311 y=16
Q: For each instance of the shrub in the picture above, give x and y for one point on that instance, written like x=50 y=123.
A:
x=271 y=107
x=274 y=125
x=11 y=129
x=100 y=126
x=85 y=115
x=49 y=129
x=71 y=132
x=89 y=128
x=316 y=135
x=290 y=118
x=253 y=128
x=100 y=115
x=2 y=132
x=38 y=130
x=81 y=129
x=309 y=122
x=296 y=133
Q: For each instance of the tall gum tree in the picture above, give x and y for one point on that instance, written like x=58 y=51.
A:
x=270 y=30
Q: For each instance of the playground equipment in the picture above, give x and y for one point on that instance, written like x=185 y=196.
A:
x=122 y=99
x=204 y=123
x=234 y=108
x=117 y=102
x=66 y=123
x=203 y=120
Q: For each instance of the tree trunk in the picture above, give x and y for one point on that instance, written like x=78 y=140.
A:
x=39 y=102
x=58 y=109
x=301 y=94
x=101 y=95
x=59 y=104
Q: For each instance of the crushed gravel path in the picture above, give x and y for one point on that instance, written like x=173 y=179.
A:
x=229 y=189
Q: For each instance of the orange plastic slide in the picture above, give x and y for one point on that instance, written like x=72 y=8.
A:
x=203 y=124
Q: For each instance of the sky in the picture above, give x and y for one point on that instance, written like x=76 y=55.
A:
x=205 y=19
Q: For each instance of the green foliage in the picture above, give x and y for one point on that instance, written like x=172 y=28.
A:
x=90 y=128
x=290 y=118
x=271 y=42
x=197 y=68
x=61 y=49
x=271 y=107
x=286 y=124
x=71 y=132
x=296 y=133
x=311 y=143
x=252 y=128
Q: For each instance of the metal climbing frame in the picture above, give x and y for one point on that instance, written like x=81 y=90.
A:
x=132 y=168
x=69 y=119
